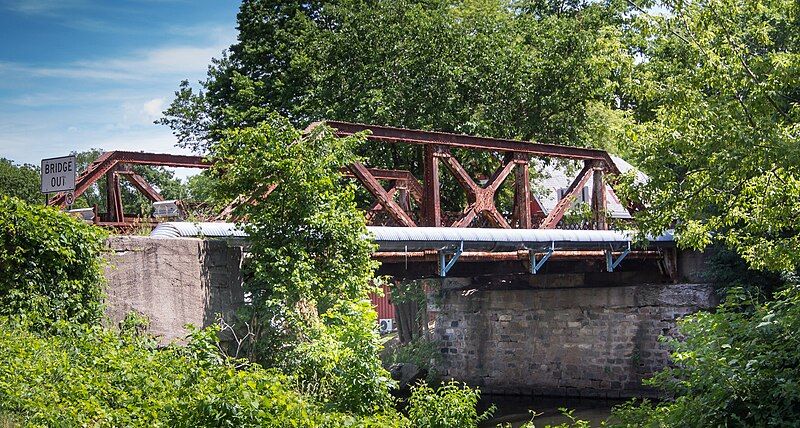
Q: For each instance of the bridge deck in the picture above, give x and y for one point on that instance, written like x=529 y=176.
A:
x=443 y=247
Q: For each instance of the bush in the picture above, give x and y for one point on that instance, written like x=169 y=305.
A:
x=50 y=264
x=339 y=367
x=92 y=376
x=421 y=352
x=452 y=405
x=739 y=366
x=310 y=268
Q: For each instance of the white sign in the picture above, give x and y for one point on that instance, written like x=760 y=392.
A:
x=58 y=174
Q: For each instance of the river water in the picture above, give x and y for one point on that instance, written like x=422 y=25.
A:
x=516 y=409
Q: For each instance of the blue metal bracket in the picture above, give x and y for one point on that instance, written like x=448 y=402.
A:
x=612 y=264
x=536 y=266
x=444 y=265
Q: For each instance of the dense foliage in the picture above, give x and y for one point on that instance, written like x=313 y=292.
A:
x=50 y=266
x=719 y=102
x=546 y=71
x=20 y=181
x=535 y=70
x=444 y=407
x=310 y=269
x=736 y=367
x=90 y=376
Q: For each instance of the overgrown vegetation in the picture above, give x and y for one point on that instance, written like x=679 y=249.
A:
x=50 y=265
x=62 y=368
x=310 y=271
x=445 y=407
x=86 y=375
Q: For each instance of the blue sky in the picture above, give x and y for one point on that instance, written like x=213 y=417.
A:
x=80 y=74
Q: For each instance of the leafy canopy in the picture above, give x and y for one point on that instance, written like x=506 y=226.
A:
x=21 y=181
x=719 y=99
x=310 y=270
x=546 y=71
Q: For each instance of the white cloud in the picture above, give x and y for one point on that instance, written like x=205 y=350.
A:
x=153 y=108
x=40 y=7
x=150 y=65
x=156 y=63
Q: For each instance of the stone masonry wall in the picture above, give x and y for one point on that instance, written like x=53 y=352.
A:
x=585 y=341
x=172 y=282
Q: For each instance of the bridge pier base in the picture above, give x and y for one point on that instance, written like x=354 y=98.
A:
x=566 y=339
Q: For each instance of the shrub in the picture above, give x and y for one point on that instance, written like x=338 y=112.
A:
x=50 y=264
x=93 y=376
x=739 y=366
x=339 y=366
x=451 y=405
x=422 y=352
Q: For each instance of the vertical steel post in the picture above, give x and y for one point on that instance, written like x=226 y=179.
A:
x=522 y=192
x=599 y=205
x=431 y=204
x=113 y=197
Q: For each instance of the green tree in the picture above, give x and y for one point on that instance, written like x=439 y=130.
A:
x=310 y=269
x=719 y=97
x=535 y=70
x=21 y=181
x=549 y=71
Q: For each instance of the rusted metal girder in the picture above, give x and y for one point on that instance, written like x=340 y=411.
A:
x=402 y=184
x=480 y=199
x=522 y=192
x=599 y=204
x=481 y=202
x=398 y=175
x=389 y=134
x=142 y=185
x=109 y=160
x=373 y=186
x=114 y=212
x=431 y=200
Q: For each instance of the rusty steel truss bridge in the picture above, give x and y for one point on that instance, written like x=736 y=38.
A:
x=408 y=201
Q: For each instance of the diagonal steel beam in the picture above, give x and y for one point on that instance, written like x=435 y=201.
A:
x=566 y=201
x=373 y=186
x=499 y=176
x=141 y=185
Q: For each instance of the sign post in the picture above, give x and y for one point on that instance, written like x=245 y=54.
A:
x=58 y=174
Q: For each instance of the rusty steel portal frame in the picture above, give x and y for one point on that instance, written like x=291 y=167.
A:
x=403 y=186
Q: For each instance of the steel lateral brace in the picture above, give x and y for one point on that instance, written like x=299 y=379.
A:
x=612 y=264
x=444 y=265
x=536 y=266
